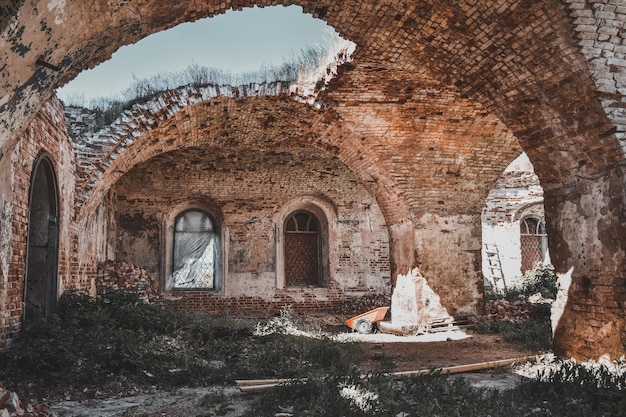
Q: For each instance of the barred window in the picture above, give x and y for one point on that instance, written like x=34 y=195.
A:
x=302 y=250
x=533 y=242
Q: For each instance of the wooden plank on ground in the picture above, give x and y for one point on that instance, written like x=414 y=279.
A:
x=256 y=385
x=469 y=367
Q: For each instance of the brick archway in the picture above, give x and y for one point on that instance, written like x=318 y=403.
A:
x=488 y=65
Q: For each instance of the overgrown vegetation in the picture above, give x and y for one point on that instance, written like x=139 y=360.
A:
x=571 y=390
x=115 y=339
x=115 y=342
x=309 y=67
x=540 y=280
x=534 y=334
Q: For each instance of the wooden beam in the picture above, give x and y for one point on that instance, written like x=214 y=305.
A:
x=257 y=385
x=469 y=367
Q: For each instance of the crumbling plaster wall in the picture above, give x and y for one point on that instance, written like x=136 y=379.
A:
x=249 y=190
x=593 y=318
x=95 y=242
x=458 y=280
x=515 y=194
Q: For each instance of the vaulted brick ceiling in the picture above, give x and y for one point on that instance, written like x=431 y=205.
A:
x=437 y=90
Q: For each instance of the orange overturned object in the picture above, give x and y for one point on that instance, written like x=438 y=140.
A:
x=363 y=322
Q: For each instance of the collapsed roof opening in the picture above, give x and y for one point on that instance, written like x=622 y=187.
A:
x=252 y=46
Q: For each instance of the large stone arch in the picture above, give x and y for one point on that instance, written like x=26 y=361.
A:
x=538 y=68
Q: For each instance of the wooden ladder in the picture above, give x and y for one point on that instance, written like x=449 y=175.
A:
x=495 y=276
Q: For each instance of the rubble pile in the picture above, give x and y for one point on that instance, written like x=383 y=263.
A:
x=11 y=406
x=414 y=307
x=129 y=277
x=364 y=303
x=521 y=308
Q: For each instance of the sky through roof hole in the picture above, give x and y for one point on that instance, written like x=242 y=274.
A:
x=255 y=45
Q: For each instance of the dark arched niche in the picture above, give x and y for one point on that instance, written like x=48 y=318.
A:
x=40 y=288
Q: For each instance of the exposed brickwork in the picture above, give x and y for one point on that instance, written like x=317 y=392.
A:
x=513 y=191
x=128 y=277
x=439 y=98
x=441 y=152
x=600 y=28
x=522 y=308
x=298 y=300
x=515 y=194
x=248 y=188
x=97 y=148
x=47 y=133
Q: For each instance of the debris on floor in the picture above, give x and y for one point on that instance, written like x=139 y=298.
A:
x=11 y=406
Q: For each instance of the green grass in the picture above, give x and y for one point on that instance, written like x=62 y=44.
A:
x=534 y=335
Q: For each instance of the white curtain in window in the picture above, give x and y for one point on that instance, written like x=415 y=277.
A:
x=194 y=251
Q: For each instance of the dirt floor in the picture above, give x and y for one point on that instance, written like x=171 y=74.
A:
x=404 y=353
x=439 y=354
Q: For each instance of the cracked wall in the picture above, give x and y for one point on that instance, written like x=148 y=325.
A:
x=249 y=188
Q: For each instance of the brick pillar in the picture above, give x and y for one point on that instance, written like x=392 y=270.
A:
x=588 y=243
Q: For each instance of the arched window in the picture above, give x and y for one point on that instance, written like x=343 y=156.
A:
x=196 y=251
x=533 y=242
x=303 y=259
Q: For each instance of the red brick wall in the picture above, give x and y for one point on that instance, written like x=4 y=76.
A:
x=248 y=189
x=126 y=277
x=46 y=133
x=299 y=300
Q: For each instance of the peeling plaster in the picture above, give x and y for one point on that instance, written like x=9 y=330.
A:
x=564 y=281
x=58 y=8
x=452 y=276
x=5 y=241
x=6 y=191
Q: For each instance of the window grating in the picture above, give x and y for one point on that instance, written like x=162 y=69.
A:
x=533 y=242
x=302 y=250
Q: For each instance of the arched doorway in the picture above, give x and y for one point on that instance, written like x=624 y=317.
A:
x=303 y=266
x=40 y=287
